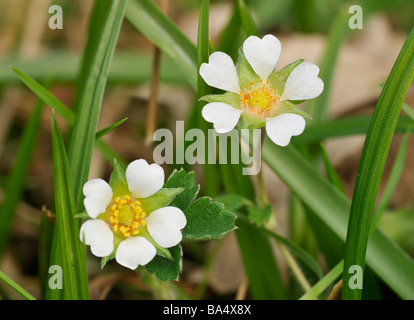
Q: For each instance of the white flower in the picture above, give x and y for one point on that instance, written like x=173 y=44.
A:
x=121 y=223
x=265 y=98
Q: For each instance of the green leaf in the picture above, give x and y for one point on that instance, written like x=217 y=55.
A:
x=265 y=281
x=107 y=18
x=108 y=129
x=16 y=287
x=345 y=127
x=67 y=113
x=233 y=202
x=46 y=96
x=247 y=21
x=207 y=219
x=394 y=177
x=16 y=178
x=324 y=283
x=164 y=33
x=331 y=206
x=182 y=179
x=166 y=269
x=373 y=158
x=260 y=215
x=75 y=278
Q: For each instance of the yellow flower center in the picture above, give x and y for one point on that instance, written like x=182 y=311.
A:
x=261 y=99
x=126 y=216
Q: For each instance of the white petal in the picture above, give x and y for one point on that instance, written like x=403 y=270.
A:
x=303 y=83
x=223 y=116
x=220 y=72
x=97 y=234
x=135 y=251
x=280 y=129
x=144 y=179
x=165 y=224
x=98 y=195
x=262 y=54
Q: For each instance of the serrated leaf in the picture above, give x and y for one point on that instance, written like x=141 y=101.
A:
x=182 y=179
x=259 y=215
x=233 y=202
x=166 y=269
x=207 y=219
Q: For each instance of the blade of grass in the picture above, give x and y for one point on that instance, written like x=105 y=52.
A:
x=324 y=283
x=385 y=258
x=160 y=30
x=396 y=172
x=108 y=129
x=67 y=113
x=247 y=21
x=106 y=22
x=16 y=287
x=373 y=158
x=345 y=127
x=211 y=175
x=75 y=279
x=126 y=67
x=16 y=178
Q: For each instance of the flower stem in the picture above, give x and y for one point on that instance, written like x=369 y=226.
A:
x=263 y=200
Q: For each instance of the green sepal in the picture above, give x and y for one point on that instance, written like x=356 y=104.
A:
x=245 y=72
x=207 y=219
x=167 y=269
x=278 y=78
x=83 y=215
x=160 y=199
x=163 y=252
x=118 y=182
x=229 y=98
x=104 y=260
x=289 y=107
x=250 y=121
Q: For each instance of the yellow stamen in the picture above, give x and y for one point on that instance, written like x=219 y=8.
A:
x=126 y=216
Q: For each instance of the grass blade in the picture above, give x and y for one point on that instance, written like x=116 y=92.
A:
x=67 y=114
x=393 y=179
x=16 y=287
x=75 y=285
x=108 y=129
x=160 y=30
x=374 y=155
x=324 y=283
x=105 y=25
x=16 y=178
x=331 y=206
x=345 y=127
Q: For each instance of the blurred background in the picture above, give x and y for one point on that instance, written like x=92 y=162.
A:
x=303 y=26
